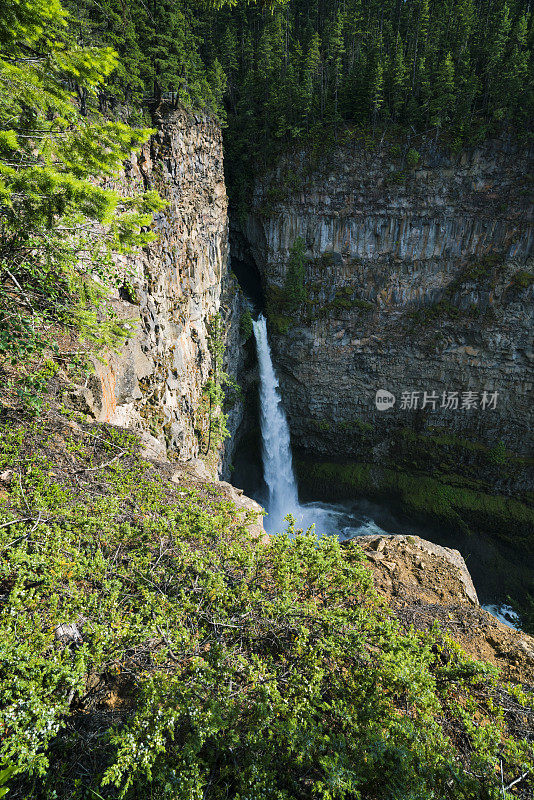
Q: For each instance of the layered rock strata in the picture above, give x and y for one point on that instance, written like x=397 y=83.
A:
x=418 y=279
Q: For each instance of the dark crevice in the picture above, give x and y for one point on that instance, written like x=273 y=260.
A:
x=247 y=468
x=249 y=278
x=247 y=271
x=126 y=293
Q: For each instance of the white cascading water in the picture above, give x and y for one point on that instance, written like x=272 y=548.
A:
x=277 y=460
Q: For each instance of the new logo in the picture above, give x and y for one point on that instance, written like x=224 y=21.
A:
x=384 y=400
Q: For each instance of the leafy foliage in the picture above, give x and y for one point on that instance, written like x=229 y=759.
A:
x=58 y=225
x=243 y=669
x=5 y=775
x=159 y=49
x=217 y=390
x=245 y=325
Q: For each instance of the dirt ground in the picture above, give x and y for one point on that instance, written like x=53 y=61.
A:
x=424 y=583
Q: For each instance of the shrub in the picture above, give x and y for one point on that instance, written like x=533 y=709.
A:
x=245 y=325
x=280 y=323
x=522 y=279
x=244 y=669
x=412 y=158
x=60 y=227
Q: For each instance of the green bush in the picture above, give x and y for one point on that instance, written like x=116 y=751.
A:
x=280 y=323
x=412 y=158
x=60 y=227
x=498 y=454
x=244 y=670
x=245 y=325
x=215 y=393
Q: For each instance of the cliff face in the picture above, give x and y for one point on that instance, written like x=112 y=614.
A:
x=416 y=281
x=173 y=290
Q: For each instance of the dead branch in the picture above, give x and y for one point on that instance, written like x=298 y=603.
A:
x=105 y=464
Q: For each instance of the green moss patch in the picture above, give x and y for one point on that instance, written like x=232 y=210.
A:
x=522 y=279
x=442 y=455
x=482 y=272
x=425 y=499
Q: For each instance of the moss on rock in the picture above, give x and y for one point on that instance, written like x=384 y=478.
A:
x=425 y=498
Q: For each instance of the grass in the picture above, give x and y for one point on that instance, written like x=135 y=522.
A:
x=283 y=311
x=440 y=454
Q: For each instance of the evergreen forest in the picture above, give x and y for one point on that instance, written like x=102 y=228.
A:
x=293 y=72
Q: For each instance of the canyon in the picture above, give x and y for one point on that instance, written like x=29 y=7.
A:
x=266 y=465
x=385 y=245
x=416 y=279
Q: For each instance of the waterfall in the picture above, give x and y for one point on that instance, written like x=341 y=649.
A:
x=278 y=463
x=276 y=445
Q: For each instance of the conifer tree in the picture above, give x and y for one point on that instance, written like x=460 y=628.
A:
x=398 y=76
x=297 y=66
x=312 y=74
x=336 y=49
x=58 y=225
x=515 y=73
x=442 y=97
x=421 y=21
x=376 y=79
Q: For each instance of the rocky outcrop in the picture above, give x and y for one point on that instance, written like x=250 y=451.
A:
x=418 y=279
x=173 y=289
x=424 y=584
x=433 y=573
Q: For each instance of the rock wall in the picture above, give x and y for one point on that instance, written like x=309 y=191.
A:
x=236 y=365
x=172 y=291
x=417 y=279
